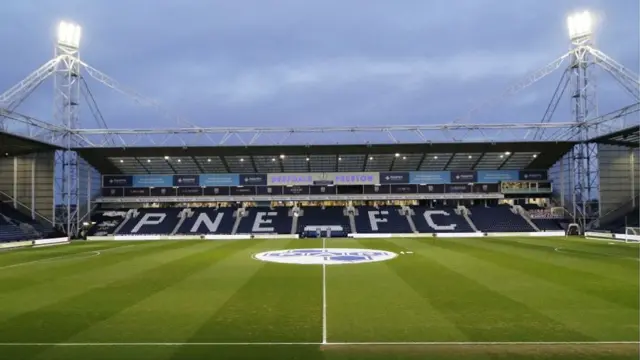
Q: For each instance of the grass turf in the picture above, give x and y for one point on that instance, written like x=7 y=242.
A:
x=91 y=298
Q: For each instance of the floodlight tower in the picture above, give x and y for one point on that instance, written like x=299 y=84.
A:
x=67 y=96
x=584 y=107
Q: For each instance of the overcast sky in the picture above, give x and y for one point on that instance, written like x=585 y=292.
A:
x=312 y=63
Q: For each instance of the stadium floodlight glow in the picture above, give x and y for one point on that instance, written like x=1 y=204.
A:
x=580 y=25
x=69 y=34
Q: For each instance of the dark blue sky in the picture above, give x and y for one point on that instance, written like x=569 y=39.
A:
x=314 y=63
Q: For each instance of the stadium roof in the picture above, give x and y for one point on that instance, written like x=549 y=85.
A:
x=15 y=145
x=325 y=158
x=629 y=137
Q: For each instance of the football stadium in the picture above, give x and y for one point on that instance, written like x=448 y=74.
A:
x=474 y=241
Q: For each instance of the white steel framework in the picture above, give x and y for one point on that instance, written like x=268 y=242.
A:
x=584 y=106
x=69 y=73
x=66 y=82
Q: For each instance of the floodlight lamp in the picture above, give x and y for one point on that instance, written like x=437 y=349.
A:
x=580 y=25
x=69 y=34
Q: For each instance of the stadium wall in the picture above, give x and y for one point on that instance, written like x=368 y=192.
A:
x=294 y=236
x=619 y=177
x=28 y=182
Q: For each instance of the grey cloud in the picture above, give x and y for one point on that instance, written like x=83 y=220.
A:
x=328 y=62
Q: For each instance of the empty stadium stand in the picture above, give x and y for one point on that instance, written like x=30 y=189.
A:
x=261 y=220
x=207 y=221
x=106 y=222
x=387 y=219
x=16 y=226
x=499 y=219
x=150 y=221
x=281 y=220
x=323 y=217
x=438 y=220
x=542 y=218
x=10 y=232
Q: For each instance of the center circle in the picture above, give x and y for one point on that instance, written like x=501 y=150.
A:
x=328 y=256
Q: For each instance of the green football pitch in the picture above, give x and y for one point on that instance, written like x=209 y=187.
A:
x=476 y=298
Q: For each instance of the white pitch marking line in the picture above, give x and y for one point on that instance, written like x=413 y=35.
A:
x=423 y=343
x=560 y=250
x=64 y=256
x=324 y=295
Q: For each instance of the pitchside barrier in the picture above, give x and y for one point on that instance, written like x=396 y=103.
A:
x=609 y=236
x=294 y=236
x=34 y=243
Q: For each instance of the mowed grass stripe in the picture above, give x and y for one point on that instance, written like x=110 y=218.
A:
x=175 y=313
x=591 y=316
x=72 y=264
x=279 y=303
x=106 y=269
x=618 y=293
x=61 y=320
x=575 y=255
x=11 y=259
x=479 y=312
x=370 y=302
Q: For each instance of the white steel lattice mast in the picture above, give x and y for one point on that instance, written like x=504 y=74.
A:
x=584 y=107
x=66 y=112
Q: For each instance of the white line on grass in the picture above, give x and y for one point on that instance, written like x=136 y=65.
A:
x=324 y=296
x=419 y=343
x=66 y=256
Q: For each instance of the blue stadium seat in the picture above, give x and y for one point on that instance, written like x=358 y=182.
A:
x=208 y=221
x=266 y=221
x=10 y=232
x=439 y=220
x=498 y=219
x=19 y=217
x=329 y=216
x=384 y=219
x=544 y=224
x=106 y=222
x=151 y=222
x=547 y=224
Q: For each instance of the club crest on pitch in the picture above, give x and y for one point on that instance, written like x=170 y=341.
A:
x=329 y=256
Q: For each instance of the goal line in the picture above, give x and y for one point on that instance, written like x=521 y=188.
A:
x=373 y=343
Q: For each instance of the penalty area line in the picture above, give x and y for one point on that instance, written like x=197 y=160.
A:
x=418 y=343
